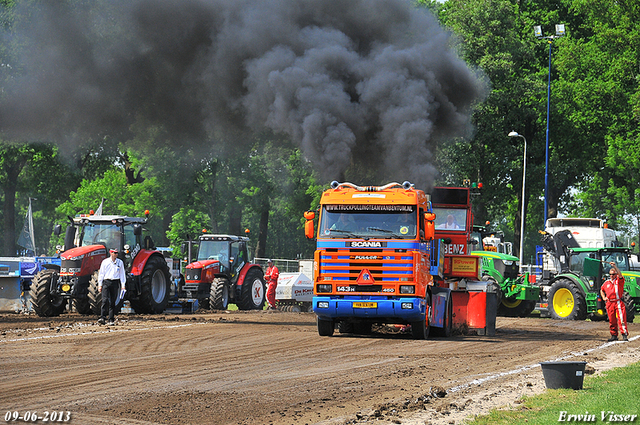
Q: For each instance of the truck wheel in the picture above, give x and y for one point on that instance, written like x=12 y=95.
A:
x=155 y=287
x=566 y=301
x=448 y=322
x=252 y=291
x=219 y=297
x=325 y=327
x=511 y=307
x=203 y=303
x=420 y=330
x=295 y=308
x=83 y=306
x=345 y=327
x=95 y=297
x=630 y=306
x=44 y=303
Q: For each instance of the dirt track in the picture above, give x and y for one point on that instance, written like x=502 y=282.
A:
x=273 y=368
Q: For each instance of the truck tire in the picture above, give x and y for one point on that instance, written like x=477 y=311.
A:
x=509 y=307
x=219 y=297
x=252 y=291
x=95 y=297
x=325 y=327
x=420 y=330
x=345 y=327
x=155 y=287
x=45 y=304
x=630 y=306
x=83 y=306
x=566 y=301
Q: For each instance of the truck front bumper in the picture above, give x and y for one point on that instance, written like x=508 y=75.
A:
x=371 y=308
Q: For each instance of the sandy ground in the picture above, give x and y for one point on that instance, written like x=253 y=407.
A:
x=270 y=367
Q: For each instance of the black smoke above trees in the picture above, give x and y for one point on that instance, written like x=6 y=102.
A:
x=368 y=82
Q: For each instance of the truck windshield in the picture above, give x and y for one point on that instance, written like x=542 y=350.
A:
x=107 y=234
x=369 y=221
x=451 y=218
x=214 y=250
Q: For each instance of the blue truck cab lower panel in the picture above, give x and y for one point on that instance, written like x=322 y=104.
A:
x=386 y=310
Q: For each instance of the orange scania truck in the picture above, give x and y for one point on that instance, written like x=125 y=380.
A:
x=378 y=262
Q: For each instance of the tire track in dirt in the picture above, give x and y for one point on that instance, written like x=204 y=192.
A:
x=253 y=367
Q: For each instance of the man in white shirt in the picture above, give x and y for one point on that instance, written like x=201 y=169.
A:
x=111 y=278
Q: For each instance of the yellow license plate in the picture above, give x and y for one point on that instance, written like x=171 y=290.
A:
x=365 y=305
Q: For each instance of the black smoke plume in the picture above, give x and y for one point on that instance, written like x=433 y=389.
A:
x=348 y=81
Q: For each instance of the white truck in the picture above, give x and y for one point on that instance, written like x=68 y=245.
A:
x=588 y=232
x=295 y=286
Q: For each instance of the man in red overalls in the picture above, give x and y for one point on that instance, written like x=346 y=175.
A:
x=271 y=276
x=611 y=292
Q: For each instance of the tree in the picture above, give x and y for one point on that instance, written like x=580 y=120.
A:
x=13 y=158
x=491 y=39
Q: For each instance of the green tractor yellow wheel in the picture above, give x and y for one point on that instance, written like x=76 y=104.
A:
x=511 y=303
x=513 y=307
x=563 y=302
x=566 y=301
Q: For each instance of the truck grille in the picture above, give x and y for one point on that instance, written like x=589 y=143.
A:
x=384 y=266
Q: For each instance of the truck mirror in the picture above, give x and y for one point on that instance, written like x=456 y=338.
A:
x=309 y=215
x=308 y=229
x=429 y=216
x=429 y=230
x=57 y=230
x=137 y=229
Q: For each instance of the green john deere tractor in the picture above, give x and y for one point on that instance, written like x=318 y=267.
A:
x=572 y=290
x=516 y=296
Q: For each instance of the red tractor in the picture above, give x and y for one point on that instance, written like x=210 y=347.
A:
x=222 y=274
x=87 y=240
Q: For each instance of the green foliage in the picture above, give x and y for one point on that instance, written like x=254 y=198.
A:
x=186 y=224
x=119 y=197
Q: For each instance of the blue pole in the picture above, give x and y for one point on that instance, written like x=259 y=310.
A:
x=546 y=169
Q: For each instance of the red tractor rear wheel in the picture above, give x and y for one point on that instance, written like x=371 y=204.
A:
x=252 y=291
x=155 y=287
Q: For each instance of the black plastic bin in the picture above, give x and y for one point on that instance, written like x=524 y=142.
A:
x=563 y=374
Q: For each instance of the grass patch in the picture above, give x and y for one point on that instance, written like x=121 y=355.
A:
x=614 y=391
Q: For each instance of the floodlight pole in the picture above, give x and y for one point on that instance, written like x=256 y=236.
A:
x=546 y=165
x=522 y=210
x=538 y=33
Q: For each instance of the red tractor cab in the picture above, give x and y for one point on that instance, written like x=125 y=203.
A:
x=223 y=275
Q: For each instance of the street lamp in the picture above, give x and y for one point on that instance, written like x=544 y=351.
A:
x=524 y=173
x=537 y=31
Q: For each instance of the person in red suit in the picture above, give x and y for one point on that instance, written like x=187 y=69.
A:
x=611 y=292
x=271 y=276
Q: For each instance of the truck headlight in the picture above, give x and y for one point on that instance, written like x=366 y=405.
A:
x=323 y=304
x=324 y=288
x=407 y=289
